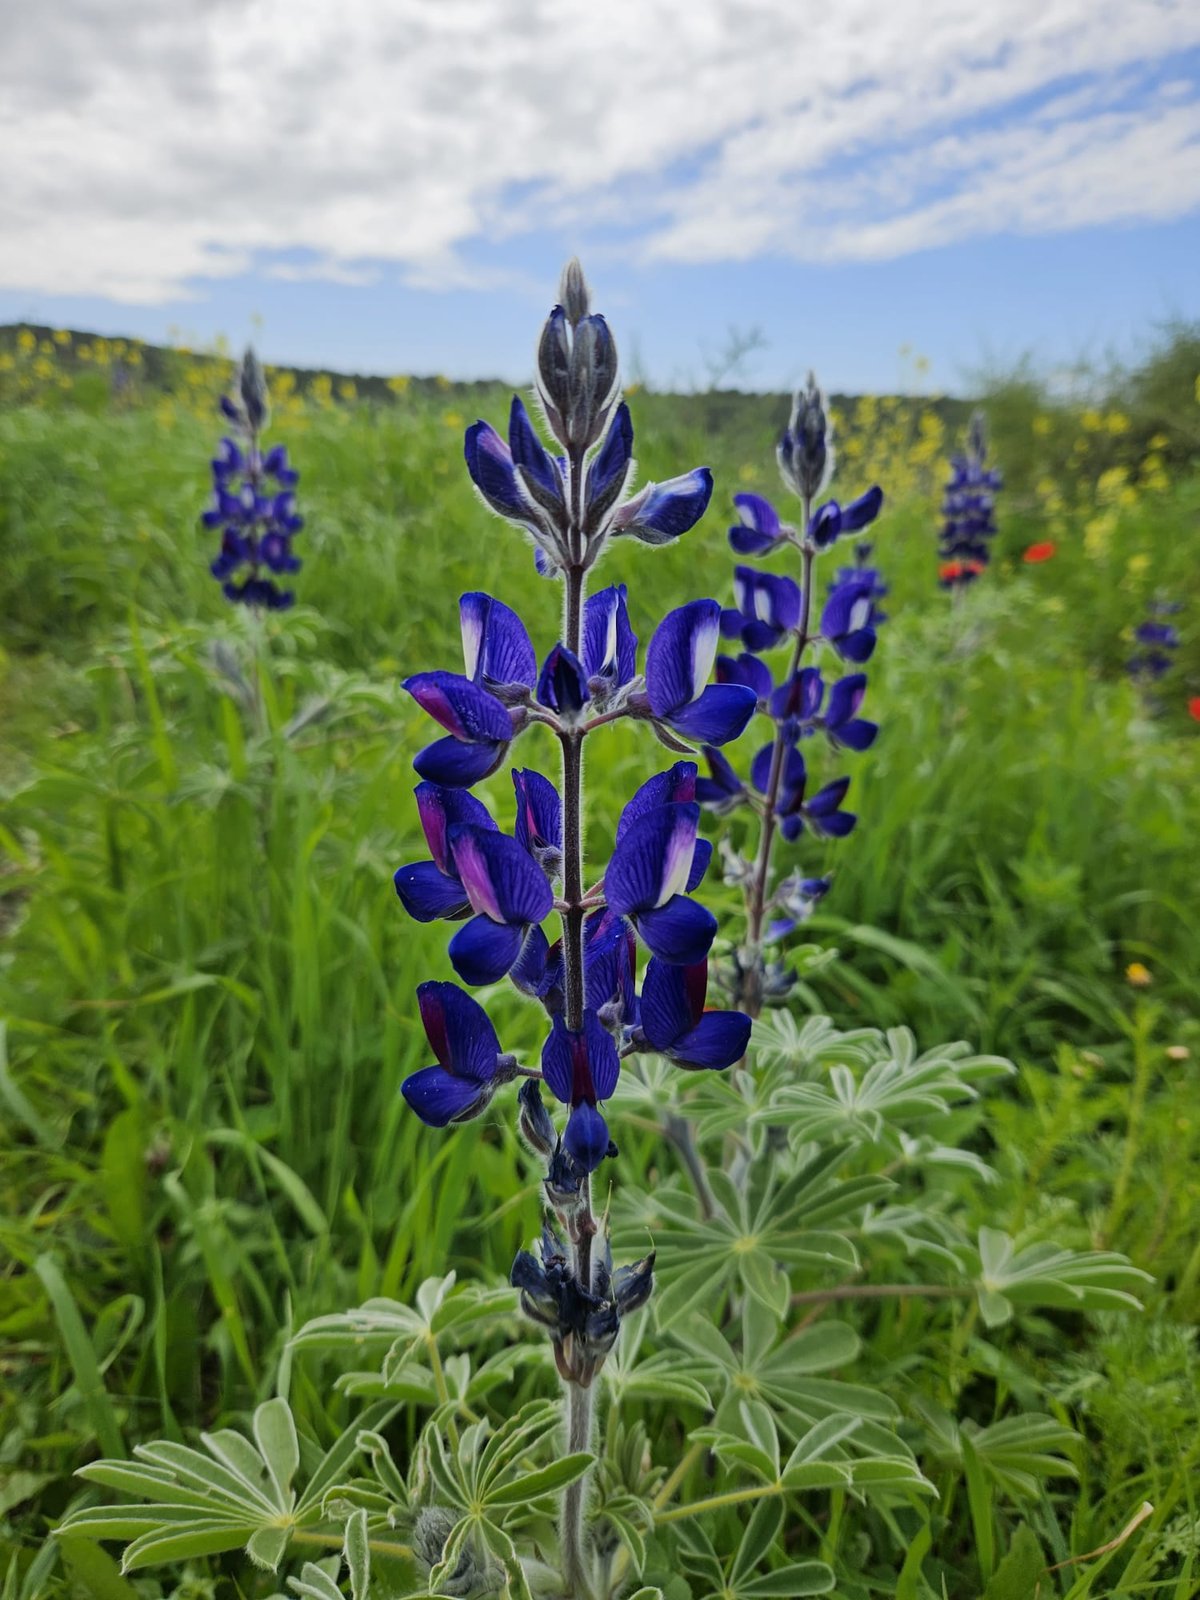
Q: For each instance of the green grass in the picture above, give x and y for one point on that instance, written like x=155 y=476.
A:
x=207 y=983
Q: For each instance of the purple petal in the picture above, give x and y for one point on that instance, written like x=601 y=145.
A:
x=529 y=453
x=440 y=1099
x=723 y=786
x=653 y=860
x=586 y=1137
x=825 y=524
x=534 y=972
x=717 y=1041
x=427 y=894
x=662 y=511
x=748 y=670
x=672 y=1000
x=440 y=809
x=490 y=463
x=501 y=880
x=681 y=932
x=453 y=764
x=862 y=512
x=459 y=1030
x=678 y=784
x=773 y=602
x=610 y=466
x=857 y=735
x=482 y=951
x=609 y=643
x=680 y=656
x=760 y=529
x=462 y=708
x=496 y=647
x=539 y=811
x=562 y=685
x=800 y=697
x=718 y=716
x=701 y=857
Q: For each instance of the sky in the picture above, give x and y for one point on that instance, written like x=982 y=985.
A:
x=393 y=185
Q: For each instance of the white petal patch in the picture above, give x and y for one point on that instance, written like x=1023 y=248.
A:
x=705 y=639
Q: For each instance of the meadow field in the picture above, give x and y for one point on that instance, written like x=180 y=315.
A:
x=206 y=982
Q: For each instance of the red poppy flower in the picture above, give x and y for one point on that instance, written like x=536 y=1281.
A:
x=1045 y=551
x=1194 y=708
x=954 y=571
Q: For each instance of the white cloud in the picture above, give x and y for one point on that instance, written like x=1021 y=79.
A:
x=150 y=145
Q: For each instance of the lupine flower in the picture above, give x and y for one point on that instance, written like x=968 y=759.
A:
x=430 y=890
x=663 y=511
x=831 y=520
x=657 y=861
x=673 y=1020
x=822 y=812
x=562 y=685
x=805 y=452
x=609 y=643
x=797 y=897
x=253 y=502
x=765 y=609
x=539 y=820
x=679 y=660
x=583 y=1323
x=722 y=791
x=759 y=530
x=497 y=653
x=968 y=521
x=469 y=1066
x=749 y=670
x=849 y=621
x=479 y=725
x=509 y=893
x=581 y=1069
x=844 y=727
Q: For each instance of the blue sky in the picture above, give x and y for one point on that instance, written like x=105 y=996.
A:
x=392 y=187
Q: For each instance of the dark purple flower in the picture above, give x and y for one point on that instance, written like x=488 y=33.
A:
x=539 y=820
x=581 y=1069
x=822 y=812
x=609 y=643
x=509 y=893
x=766 y=608
x=673 y=1020
x=430 y=890
x=841 y=722
x=678 y=663
x=723 y=791
x=798 y=701
x=608 y=472
x=562 y=685
x=468 y=1058
x=655 y=863
x=798 y=897
x=759 y=530
x=497 y=653
x=662 y=511
x=849 y=620
x=480 y=729
x=747 y=669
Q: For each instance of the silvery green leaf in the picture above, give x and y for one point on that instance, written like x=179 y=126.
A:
x=357 y=1551
x=275 y=1435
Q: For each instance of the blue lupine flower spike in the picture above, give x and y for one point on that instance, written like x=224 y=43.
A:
x=253 y=502
x=968 y=526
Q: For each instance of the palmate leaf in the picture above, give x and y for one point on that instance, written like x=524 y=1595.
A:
x=400 y=1333
x=233 y=1494
x=780 y=1221
x=1016 y=1453
x=1049 y=1275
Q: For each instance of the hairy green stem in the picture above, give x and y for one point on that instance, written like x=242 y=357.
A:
x=579 y=1437
x=750 y=998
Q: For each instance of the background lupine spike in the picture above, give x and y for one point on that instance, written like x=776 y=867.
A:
x=774 y=611
x=968 y=526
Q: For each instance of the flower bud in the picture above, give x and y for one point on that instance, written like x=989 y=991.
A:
x=252 y=386
x=573 y=292
x=534 y=1120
